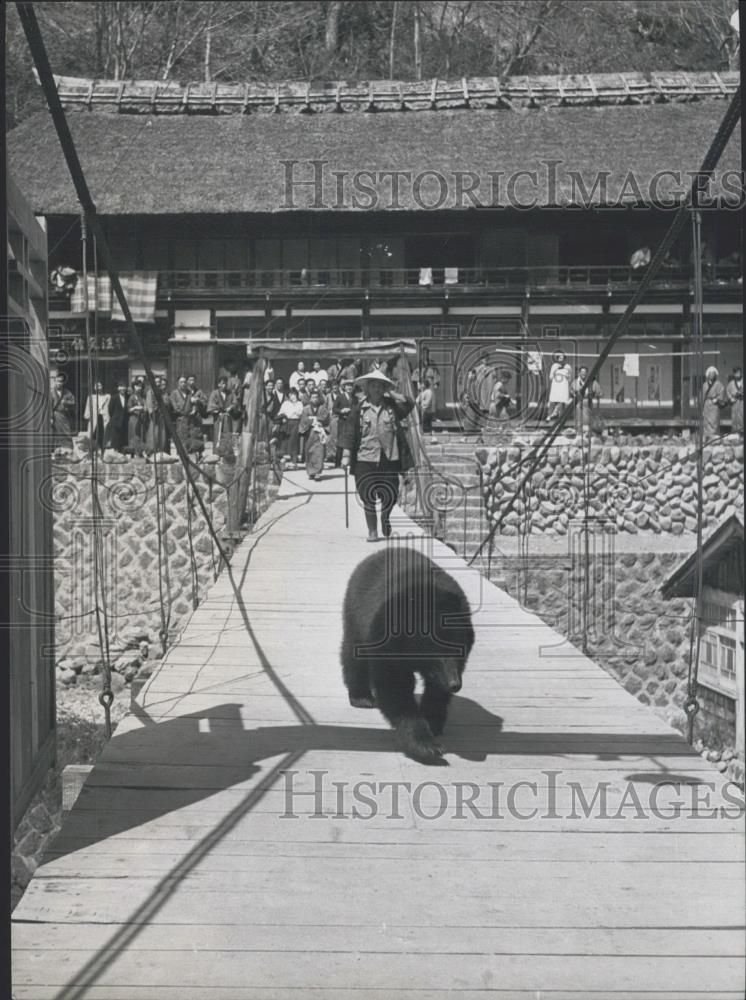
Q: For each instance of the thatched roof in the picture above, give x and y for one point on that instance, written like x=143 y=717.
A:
x=195 y=163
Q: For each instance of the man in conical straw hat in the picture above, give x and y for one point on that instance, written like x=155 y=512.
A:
x=376 y=453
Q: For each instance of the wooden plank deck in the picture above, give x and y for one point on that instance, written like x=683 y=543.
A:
x=188 y=870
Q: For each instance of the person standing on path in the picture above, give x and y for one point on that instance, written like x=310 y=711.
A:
x=62 y=408
x=378 y=451
x=426 y=406
x=343 y=406
x=96 y=414
x=314 y=423
x=735 y=395
x=560 y=377
x=713 y=401
x=117 y=425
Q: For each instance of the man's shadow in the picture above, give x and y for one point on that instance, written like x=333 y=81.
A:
x=161 y=767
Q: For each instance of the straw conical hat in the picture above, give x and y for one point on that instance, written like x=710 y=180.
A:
x=375 y=376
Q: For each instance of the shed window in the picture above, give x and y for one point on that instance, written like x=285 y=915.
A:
x=720 y=650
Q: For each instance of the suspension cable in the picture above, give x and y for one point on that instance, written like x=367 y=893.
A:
x=192 y=556
x=698 y=186
x=691 y=705
x=106 y=697
x=30 y=25
x=161 y=522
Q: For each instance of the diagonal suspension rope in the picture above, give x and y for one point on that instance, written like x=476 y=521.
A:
x=46 y=78
x=36 y=45
x=698 y=186
x=691 y=705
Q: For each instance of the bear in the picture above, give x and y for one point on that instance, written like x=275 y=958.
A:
x=403 y=615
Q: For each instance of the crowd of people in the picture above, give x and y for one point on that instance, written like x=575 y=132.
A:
x=130 y=420
x=345 y=417
x=487 y=395
x=308 y=415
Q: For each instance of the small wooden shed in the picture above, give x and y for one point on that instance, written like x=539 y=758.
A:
x=721 y=663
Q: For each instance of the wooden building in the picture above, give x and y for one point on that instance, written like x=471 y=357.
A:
x=721 y=664
x=483 y=212
x=30 y=561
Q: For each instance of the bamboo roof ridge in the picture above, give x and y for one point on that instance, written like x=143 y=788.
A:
x=516 y=93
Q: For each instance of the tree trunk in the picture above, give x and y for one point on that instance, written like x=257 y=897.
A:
x=417 y=53
x=331 y=40
x=208 y=47
x=392 y=39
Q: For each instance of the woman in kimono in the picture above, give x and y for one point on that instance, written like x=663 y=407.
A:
x=219 y=406
x=332 y=396
x=714 y=399
x=313 y=423
x=343 y=405
x=181 y=408
x=155 y=436
x=96 y=415
x=137 y=419
x=197 y=415
x=560 y=378
x=62 y=407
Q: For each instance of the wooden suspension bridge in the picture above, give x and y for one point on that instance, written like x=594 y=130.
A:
x=210 y=853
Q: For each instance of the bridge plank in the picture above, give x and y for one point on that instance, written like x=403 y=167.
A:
x=175 y=875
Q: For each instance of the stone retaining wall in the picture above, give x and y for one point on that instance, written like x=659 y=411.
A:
x=649 y=487
x=137 y=569
x=639 y=637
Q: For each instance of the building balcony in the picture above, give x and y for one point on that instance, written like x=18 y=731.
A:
x=514 y=279
x=580 y=281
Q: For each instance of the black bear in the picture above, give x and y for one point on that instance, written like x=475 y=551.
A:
x=403 y=615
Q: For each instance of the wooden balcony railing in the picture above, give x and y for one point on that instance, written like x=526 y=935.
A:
x=204 y=283
x=519 y=278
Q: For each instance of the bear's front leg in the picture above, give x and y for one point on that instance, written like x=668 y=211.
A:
x=434 y=706
x=356 y=675
x=394 y=692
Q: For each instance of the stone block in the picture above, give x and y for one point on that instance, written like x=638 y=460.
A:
x=679 y=667
x=39 y=818
x=29 y=845
x=633 y=684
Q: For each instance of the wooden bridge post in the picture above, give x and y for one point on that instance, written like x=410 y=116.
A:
x=250 y=433
x=422 y=471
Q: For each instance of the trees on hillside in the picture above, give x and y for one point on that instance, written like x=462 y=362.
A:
x=366 y=39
